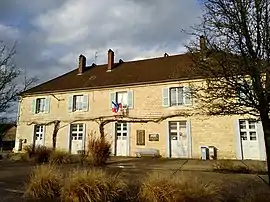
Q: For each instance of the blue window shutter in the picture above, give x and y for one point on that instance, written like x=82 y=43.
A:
x=130 y=99
x=70 y=103
x=112 y=98
x=33 y=107
x=165 y=97
x=187 y=96
x=85 y=102
x=47 y=105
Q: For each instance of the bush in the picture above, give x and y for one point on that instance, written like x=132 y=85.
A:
x=60 y=157
x=45 y=183
x=98 y=150
x=29 y=150
x=165 y=187
x=92 y=185
x=38 y=153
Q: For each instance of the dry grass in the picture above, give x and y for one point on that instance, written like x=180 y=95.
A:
x=228 y=166
x=92 y=185
x=60 y=157
x=45 y=183
x=98 y=150
x=166 y=187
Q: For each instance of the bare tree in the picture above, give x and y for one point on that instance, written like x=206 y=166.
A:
x=12 y=81
x=234 y=57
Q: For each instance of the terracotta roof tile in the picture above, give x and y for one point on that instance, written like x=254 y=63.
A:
x=155 y=70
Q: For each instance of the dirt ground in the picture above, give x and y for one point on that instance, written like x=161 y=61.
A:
x=13 y=175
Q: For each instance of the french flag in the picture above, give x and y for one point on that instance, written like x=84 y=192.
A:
x=116 y=106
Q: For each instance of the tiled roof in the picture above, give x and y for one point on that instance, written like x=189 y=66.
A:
x=170 y=68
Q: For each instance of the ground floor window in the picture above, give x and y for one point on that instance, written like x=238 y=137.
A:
x=76 y=131
x=248 y=130
x=39 y=132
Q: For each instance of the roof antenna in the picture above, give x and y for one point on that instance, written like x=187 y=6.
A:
x=96 y=57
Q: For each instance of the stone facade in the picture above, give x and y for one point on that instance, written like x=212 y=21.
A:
x=147 y=103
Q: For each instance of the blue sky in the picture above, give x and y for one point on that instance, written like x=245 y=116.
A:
x=51 y=34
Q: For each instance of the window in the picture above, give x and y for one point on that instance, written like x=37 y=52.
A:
x=40 y=105
x=122 y=97
x=176 y=96
x=176 y=128
x=39 y=132
x=76 y=131
x=140 y=137
x=77 y=102
x=248 y=130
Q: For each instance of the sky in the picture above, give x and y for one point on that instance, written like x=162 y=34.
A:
x=50 y=35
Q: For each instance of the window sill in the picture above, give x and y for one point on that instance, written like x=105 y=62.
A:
x=179 y=107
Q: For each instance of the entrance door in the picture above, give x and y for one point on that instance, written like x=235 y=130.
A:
x=178 y=139
x=76 y=138
x=121 y=139
x=249 y=139
x=39 y=134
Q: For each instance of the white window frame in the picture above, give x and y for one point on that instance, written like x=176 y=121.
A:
x=40 y=134
x=77 y=134
x=121 y=101
x=40 y=105
x=178 y=130
x=178 y=102
x=77 y=105
x=248 y=130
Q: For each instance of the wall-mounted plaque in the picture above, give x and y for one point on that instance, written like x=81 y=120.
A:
x=140 y=137
x=154 y=137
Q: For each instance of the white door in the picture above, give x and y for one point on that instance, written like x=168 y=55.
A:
x=76 y=138
x=39 y=133
x=178 y=139
x=121 y=139
x=249 y=139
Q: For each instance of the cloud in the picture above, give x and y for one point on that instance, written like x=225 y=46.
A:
x=51 y=34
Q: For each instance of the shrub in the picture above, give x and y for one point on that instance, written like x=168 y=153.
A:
x=165 y=187
x=92 y=185
x=98 y=150
x=29 y=150
x=60 y=157
x=38 y=153
x=45 y=183
x=42 y=154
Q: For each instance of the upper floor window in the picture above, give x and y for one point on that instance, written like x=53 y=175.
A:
x=40 y=105
x=122 y=97
x=78 y=103
x=176 y=96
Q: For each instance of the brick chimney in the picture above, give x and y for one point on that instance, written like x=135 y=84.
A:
x=110 y=60
x=202 y=43
x=82 y=64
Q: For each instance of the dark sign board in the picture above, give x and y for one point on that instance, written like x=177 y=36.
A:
x=154 y=137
